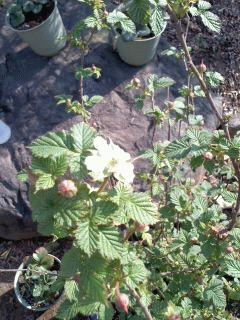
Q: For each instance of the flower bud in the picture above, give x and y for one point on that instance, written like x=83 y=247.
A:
x=141 y=227
x=136 y=82
x=202 y=68
x=94 y=68
x=208 y=156
x=194 y=240
x=105 y=13
x=230 y=249
x=67 y=188
x=122 y=301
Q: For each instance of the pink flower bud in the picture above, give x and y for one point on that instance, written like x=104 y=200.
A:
x=202 y=68
x=122 y=301
x=136 y=82
x=230 y=249
x=208 y=156
x=67 y=188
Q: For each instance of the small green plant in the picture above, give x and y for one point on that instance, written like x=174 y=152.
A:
x=139 y=18
x=19 y=9
x=81 y=38
x=37 y=279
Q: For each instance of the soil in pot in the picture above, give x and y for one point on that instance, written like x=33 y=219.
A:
x=26 y=289
x=32 y=20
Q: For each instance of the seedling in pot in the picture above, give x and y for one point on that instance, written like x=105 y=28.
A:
x=37 y=279
x=19 y=10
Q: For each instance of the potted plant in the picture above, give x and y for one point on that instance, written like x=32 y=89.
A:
x=38 y=23
x=137 y=27
x=34 y=280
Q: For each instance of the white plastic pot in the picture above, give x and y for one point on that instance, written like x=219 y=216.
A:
x=137 y=52
x=18 y=294
x=5 y=132
x=46 y=39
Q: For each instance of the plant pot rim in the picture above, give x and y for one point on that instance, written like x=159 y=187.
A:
x=30 y=29
x=18 y=294
x=139 y=39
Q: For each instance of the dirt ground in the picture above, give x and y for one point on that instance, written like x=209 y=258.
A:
x=219 y=52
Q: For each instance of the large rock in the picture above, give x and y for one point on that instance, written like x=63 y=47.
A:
x=27 y=89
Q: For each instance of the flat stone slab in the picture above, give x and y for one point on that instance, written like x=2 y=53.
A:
x=28 y=84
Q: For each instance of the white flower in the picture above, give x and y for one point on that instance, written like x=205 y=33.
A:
x=109 y=159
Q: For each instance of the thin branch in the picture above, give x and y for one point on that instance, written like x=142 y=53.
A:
x=181 y=38
x=138 y=299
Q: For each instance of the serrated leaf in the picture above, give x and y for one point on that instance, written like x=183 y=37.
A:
x=211 y=21
x=71 y=290
x=103 y=211
x=139 y=11
x=214 y=293
x=158 y=20
x=233 y=268
x=178 y=149
x=87 y=237
x=118 y=17
x=137 y=206
x=155 y=82
x=45 y=181
x=110 y=243
x=70 y=263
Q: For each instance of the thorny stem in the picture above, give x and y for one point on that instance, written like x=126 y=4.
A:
x=82 y=57
x=144 y=307
x=193 y=68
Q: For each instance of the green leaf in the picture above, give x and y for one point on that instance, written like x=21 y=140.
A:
x=139 y=11
x=106 y=312
x=214 y=293
x=48 y=170
x=87 y=237
x=103 y=211
x=158 y=20
x=233 y=268
x=110 y=243
x=214 y=79
x=71 y=290
x=93 y=101
x=137 y=206
x=135 y=272
x=118 y=17
x=178 y=149
x=154 y=82
x=69 y=310
x=93 y=286
x=52 y=145
x=71 y=263
x=45 y=181
x=83 y=136
x=211 y=21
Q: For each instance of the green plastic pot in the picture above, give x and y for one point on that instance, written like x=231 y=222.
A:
x=137 y=52
x=18 y=294
x=46 y=39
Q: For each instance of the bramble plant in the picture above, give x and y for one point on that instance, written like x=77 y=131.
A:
x=20 y=8
x=38 y=278
x=81 y=38
x=170 y=253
